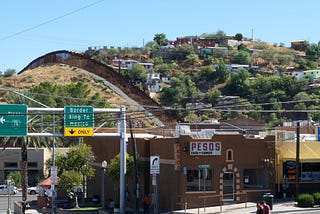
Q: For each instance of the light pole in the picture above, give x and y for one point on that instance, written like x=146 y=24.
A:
x=9 y=183
x=104 y=165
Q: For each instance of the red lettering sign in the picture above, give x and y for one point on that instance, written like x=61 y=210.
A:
x=205 y=148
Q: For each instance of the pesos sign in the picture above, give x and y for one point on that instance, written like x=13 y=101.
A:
x=78 y=121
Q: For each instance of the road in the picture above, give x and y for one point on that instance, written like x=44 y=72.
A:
x=18 y=197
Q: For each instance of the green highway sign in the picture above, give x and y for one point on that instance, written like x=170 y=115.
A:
x=78 y=121
x=13 y=120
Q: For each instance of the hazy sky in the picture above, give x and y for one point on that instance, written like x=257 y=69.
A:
x=32 y=28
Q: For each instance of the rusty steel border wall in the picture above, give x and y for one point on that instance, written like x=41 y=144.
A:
x=107 y=73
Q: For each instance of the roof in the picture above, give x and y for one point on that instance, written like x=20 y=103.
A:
x=46 y=182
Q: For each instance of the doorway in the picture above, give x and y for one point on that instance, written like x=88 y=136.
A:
x=228 y=186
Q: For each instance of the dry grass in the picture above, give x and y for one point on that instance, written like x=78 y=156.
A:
x=62 y=75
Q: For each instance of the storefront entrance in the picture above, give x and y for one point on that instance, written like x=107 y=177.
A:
x=228 y=186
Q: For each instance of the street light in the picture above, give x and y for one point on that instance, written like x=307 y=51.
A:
x=9 y=183
x=104 y=165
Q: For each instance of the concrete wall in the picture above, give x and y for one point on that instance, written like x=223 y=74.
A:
x=37 y=157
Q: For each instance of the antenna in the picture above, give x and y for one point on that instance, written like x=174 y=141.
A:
x=252 y=34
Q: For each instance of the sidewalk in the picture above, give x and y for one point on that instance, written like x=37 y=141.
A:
x=279 y=206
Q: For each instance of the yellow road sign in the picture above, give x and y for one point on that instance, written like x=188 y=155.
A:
x=78 y=132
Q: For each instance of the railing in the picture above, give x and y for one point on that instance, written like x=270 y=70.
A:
x=187 y=204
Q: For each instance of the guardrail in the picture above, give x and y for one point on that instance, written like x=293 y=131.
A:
x=186 y=204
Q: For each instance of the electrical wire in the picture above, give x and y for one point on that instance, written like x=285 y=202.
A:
x=51 y=20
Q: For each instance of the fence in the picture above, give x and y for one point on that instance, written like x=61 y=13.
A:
x=189 y=202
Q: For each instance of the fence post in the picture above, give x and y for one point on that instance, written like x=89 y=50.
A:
x=221 y=202
x=246 y=198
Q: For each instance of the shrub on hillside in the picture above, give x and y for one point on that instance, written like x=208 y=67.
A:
x=316 y=197
x=305 y=200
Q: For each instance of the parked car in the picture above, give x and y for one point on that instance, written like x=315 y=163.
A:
x=33 y=190
x=4 y=190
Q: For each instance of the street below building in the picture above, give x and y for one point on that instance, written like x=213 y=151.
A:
x=4 y=201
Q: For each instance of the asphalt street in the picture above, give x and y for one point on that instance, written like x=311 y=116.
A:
x=4 y=199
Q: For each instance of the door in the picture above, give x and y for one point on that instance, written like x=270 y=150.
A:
x=228 y=186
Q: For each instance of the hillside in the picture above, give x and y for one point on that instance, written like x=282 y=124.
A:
x=65 y=74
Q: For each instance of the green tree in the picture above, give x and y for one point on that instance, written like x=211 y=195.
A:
x=164 y=69
x=158 y=61
x=114 y=167
x=221 y=37
x=243 y=47
x=182 y=90
x=312 y=51
x=222 y=72
x=16 y=177
x=213 y=96
x=241 y=57
x=137 y=73
x=238 y=37
x=68 y=181
x=9 y=72
x=238 y=84
x=192 y=60
x=77 y=158
x=305 y=64
x=160 y=39
x=207 y=73
x=181 y=52
x=73 y=165
x=150 y=44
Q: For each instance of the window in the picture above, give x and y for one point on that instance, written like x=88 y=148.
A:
x=11 y=165
x=229 y=155
x=32 y=164
x=196 y=181
x=310 y=172
x=255 y=179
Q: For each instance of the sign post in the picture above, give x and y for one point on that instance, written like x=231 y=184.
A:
x=78 y=121
x=13 y=120
x=204 y=167
x=154 y=170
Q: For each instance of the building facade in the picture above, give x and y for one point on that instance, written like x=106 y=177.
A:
x=224 y=167
x=10 y=161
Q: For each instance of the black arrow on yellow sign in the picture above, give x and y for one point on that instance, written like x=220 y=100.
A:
x=78 y=131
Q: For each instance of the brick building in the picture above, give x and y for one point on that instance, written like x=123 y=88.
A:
x=224 y=167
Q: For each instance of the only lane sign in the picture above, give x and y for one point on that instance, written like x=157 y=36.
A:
x=78 y=121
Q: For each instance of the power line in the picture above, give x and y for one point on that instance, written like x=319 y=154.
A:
x=51 y=20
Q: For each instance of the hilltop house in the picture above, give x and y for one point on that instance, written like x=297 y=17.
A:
x=311 y=75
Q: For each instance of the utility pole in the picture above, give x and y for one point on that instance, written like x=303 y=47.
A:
x=123 y=151
x=137 y=188
x=298 y=159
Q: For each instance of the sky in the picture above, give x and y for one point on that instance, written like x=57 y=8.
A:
x=32 y=28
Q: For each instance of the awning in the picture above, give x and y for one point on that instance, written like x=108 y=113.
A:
x=46 y=183
x=309 y=151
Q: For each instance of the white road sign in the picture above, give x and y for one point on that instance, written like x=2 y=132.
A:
x=154 y=164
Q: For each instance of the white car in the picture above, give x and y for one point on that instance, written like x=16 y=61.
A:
x=4 y=190
x=33 y=190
